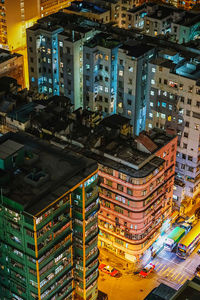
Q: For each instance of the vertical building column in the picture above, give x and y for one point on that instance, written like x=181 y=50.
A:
x=36 y=255
x=84 y=272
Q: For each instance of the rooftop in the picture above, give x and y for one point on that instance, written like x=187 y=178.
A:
x=46 y=174
x=104 y=40
x=135 y=49
x=85 y=7
x=9 y=148
x=6 y=55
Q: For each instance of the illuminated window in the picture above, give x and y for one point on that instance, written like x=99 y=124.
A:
x=170 y=106
x=60 y=44
x=120 y=105
x=169 y=118
x=173 y=84
x=158 y=115
x=129 y=112
x=150 y=125
x=106 y=89
x=151 y=104
x=150 y=115
x=152 y=93
x=153 y=70
x=100 y=88
x=164 y=104
x=130 y=69
x=106 y=57
x=153 y=81
x=121 y=73
x=162 y=116
x=49 y=51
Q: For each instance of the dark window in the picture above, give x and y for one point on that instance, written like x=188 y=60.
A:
x=129 y=191
x=30 y=246
x=120 y=187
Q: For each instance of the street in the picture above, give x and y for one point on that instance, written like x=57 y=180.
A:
x=169 y=269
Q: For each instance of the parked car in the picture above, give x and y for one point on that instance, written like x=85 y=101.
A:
x=108 y=270
x=147 y=270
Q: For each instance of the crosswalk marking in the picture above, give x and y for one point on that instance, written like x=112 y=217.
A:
x=176 y=276
x=158 y=267
x=170 y=271
x=165 y=271
x=181 y=278
x=184 y=279
x=161 y=269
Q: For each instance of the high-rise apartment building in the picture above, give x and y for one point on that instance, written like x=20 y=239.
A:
x=174 y=101
x=115 y=76
x=132 y=76
x=17 y=15
x=155 y=19
x=136 y=190
x=55 y=56
x=48 y=221
x=48 y=7
x=136 y=176
x=100 y=57
x=12 y=65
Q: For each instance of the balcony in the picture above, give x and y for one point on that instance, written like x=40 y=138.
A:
x=92 y=211
x=45 y=258
x=62 y=235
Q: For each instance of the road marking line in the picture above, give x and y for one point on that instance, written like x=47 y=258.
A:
x=171 y=271
x=158 y=266
x=177 y=274
x=184 y=280
x=162 y=268
x=173 y=274
x=178 y=277
x=181 y=278
x=165 y=271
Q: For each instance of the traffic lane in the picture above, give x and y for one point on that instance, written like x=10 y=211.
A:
x=129 y=286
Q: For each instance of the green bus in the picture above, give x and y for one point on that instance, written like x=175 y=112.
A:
x=173 y=238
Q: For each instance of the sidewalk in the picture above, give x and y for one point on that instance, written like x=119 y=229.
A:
x=115 y=261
